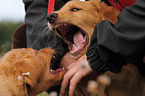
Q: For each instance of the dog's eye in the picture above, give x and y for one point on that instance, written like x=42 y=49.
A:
x=75 y=9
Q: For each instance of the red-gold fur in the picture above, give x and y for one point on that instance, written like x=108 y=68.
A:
x=92 y=13
x=18 y=61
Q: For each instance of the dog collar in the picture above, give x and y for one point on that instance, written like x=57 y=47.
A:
x=51 y=4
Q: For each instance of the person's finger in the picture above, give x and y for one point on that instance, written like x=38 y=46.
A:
x=66 y=91
x=78 y=76
x=66 y=80
x=74 y=81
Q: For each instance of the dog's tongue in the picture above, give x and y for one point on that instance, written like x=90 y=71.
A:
x=78 y=38
x=78 y=42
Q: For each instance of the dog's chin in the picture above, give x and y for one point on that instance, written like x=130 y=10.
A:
x=76 y=38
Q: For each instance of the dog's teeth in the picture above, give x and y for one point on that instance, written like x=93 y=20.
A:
x=84 y=39
x=51 y=70
x=54 y=57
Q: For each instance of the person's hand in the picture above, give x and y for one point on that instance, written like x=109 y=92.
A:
x=67 y=60
x=76 y=71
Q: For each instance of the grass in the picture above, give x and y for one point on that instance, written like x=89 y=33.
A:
x=4 y=50
x=0 y=56
x=43 y=94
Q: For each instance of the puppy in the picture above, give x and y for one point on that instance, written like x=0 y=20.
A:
x=75 y=23
x=27 y=72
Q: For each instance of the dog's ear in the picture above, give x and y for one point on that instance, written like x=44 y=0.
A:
x=28 y=65
x=107 y=12
x=33 y=64
x=23 y=69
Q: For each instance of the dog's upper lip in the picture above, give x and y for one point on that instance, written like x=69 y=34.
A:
x=74 y=36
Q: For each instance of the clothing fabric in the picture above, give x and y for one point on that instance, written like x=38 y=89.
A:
x=38 y=35
x=112 y=46
x=120 y=4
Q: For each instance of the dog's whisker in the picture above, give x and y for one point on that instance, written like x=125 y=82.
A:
x=51 y=43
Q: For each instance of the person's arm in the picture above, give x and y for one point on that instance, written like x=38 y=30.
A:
x=112 y=46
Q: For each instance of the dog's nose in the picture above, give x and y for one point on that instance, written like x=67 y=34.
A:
x=51 y=17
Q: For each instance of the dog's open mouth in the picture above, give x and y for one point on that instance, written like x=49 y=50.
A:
x=54 y=66
x=74 y=36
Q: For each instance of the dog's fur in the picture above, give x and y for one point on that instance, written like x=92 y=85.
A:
x=18 y=61
x=129 y=82
x=89 y=14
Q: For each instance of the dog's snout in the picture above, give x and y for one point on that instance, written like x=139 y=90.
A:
x=52 y=17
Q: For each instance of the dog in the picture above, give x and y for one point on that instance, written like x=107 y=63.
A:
x=76 y=20
x=27 y=72
x=75 y=23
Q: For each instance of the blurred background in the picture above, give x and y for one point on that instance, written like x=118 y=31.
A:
x=12 y=15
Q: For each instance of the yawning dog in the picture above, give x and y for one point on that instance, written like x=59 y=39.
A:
x=27 y=72
x=75 y=23
x=76 y=20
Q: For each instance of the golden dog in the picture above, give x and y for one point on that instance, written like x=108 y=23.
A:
x=75 y=23
x=76 y=20
x=26 y=72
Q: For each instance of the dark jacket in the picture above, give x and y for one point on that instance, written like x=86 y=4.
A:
x=112 y=46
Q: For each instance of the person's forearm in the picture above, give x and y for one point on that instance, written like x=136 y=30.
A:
x=119 y=43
